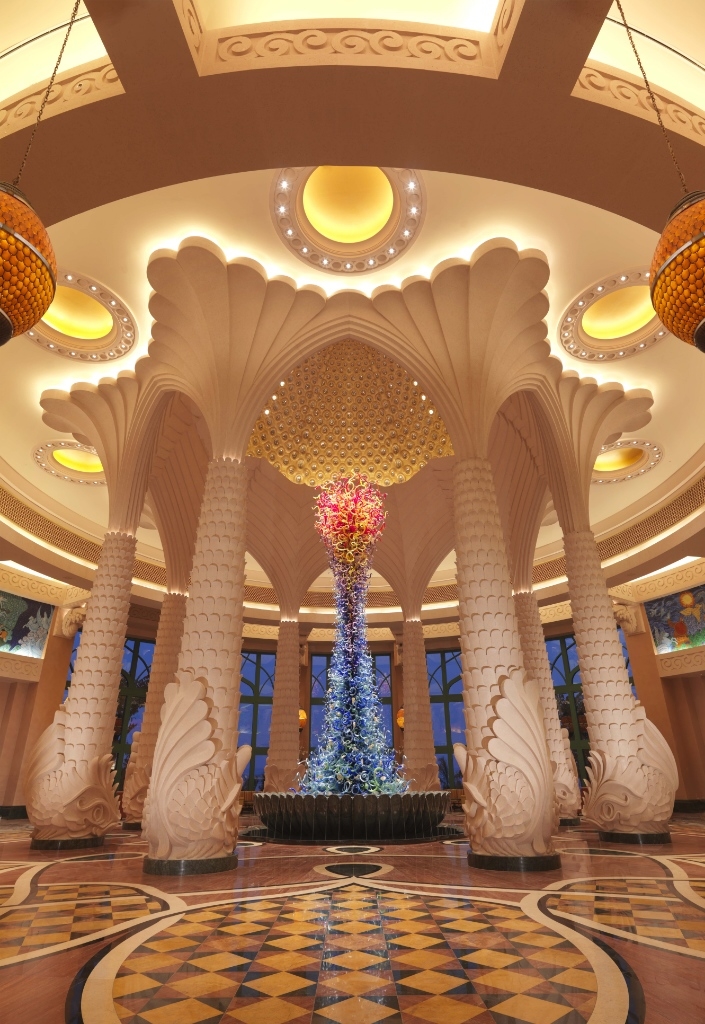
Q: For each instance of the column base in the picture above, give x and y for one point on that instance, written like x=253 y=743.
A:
x=636 y=838
x=679 y=807
x=132 y=826
x=80 y=843
x=547 y=862
x=569 y=821
x=208 y=866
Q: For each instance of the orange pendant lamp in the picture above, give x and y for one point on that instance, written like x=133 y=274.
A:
x=677 y=272
x=27 y=261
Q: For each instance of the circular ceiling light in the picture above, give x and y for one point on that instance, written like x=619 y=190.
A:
x=78 y=315
x=625 y=460
x=85 y=321
x=612 y=319
x=348 y=204
x=349 y=220
x=70 y=460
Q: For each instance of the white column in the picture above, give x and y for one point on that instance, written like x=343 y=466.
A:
x=533 y=646
x=420 y=763
x=164 y=665
x=632 y=772
x=192 y=806
x=282 y=769
x=70 y=775
x=507 y=777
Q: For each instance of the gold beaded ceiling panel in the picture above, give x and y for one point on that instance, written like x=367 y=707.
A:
x=349 y=409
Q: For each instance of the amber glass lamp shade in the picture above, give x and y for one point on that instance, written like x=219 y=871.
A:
x=303 y=718
x=400 y=718
x=27 y=264
x=678 y=272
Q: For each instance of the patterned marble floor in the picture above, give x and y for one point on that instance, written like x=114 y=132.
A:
x=355 y=935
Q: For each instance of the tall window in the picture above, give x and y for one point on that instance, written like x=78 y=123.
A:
x=320 y=668
x=256 y=693
x=134 y=679
x=445 y=682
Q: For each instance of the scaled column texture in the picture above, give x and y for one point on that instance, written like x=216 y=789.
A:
x=632 y=772
x=420 y=766
x=282 y=769
x=192 y=805
x=164 y=665
x=507 y=777
x=533 y=646
x=70 y=774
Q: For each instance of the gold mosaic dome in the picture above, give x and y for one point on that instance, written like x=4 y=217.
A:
x=349 y=409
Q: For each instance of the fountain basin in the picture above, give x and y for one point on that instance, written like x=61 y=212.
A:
x=299 y=817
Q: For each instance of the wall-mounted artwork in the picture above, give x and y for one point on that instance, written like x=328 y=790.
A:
x=24 y=625
x=677 y=621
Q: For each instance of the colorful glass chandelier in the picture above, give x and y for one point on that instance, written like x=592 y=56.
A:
x=27 y=261
x=678 y=266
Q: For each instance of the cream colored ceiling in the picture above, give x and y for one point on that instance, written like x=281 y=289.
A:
x=674 y=25
x=469 y=14
x=38 y=25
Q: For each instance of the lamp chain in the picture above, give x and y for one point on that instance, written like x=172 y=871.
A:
x=54 y=73
x=653 y=99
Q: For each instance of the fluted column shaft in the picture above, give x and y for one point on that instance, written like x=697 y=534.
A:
x=632 y=772
x=164 y=664
x=281 y=769
x=536 y=664
x=419 y=749
x=192 y=805
x=507 y=777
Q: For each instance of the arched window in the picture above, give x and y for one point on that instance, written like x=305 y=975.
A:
x=256 y=693
x=445 y=682
x=137 y=658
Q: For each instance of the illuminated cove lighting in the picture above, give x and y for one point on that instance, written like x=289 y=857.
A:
x=619 y=314
x=78 y=315
x=78 y=460
x=348 y=204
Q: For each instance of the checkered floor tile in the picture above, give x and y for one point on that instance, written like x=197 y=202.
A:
x=355 y=956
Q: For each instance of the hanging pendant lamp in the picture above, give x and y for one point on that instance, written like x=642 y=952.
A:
x=677 y=272
x=27 y=261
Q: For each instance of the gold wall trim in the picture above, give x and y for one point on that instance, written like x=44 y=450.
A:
x=24 y=584
x=611 y=87
x=15 y=667
x=681 y=663
x=96 y=80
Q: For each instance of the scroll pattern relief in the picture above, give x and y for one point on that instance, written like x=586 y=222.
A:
x=632 y=772
x=70 y=773
x=420 y=764
x=601 y=83
x=282 y=769
x=507 y=777
x=192 y=807
x=96 y=80
x=164 y=665
x=533 y=645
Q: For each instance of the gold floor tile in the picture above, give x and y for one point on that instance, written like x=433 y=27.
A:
x=490 y=958
x=576 y=979
x=292 y=942
x=219 y=961
x=660 y=933
x=557 y=957
x=189 y=929
x=507 y=981
x=265 y=1011
x=122 y=1012
x=154 y=962
x=537 y=940
x=433 y=982
x=405 y=915
x=246 y=928
x=128 y=984
x=285 y=961
x=424 y=958
x=161 y=945
x=355 y=927
x=205 y=915
x=354 y=904
x=205 y=985
x=465 y=926
x=355 y=960
x=442 y=1010
x=354 y=983
x=263 y=905
x=356 y=1011
x=301 y=915
x=535 y=1011
x=281 y=984
x=506 y=914
x=188 y=1011
x=416 y=941
x=297 y=927
x=45 y=940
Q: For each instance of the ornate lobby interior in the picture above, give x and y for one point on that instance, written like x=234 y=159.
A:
x=352 y=512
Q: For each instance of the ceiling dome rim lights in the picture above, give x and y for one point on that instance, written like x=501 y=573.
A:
x=43 y=456
x=579 y=344
x=116 y=344
x=314 y=249
x=651 y=454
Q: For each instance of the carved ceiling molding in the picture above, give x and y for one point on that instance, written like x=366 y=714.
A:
x=255 y=631
x=556 y=612
x=681 y=663
x=603 y=84
x=683 y=578
x=348 y=42
x=433 y=630
x=25 y=584
x=96 y=80
x=17 y=667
